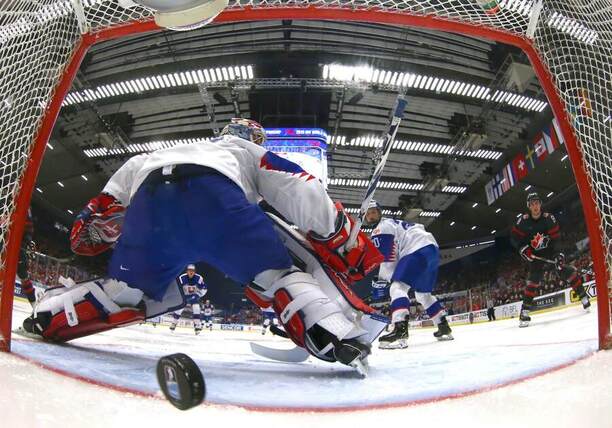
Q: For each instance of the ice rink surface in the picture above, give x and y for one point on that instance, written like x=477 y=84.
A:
x=547 y=374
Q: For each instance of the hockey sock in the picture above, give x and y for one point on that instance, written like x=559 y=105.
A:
x=399 y=309
x=433 y=307
x=28 y=289
x=529 y=294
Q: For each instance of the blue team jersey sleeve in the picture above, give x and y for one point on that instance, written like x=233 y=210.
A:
x=383 y=238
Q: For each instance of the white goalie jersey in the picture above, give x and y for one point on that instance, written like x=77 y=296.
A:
x=296 y=194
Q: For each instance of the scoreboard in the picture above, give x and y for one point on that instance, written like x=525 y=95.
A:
x=305 y=146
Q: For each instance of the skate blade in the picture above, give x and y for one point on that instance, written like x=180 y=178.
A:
x=524 y=324
x=445 y=338
x=398 y=344
x=361 y=366
x=24 y=333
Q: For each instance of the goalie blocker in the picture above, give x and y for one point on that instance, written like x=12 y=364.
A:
x=316 y=305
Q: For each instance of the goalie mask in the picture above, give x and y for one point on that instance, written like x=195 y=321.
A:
x=246 y=129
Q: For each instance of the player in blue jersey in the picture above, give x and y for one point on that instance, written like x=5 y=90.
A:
x=199 y=202
x=269 y=317
x=194 y=289
x=411 y=261
x=208 y=310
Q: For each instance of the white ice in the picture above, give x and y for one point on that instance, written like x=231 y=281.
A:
x=483 y=357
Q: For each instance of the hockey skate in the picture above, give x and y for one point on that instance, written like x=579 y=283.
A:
x=586 y=303
x=172 y=327
x=354 y=354
x=444 y=331
x=197 y=330
x=397 y=339
x=263 y=331
x=524 y=318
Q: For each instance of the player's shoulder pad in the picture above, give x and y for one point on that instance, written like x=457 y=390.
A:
x=385 y=225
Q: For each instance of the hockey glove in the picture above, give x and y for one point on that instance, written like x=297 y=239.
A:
x=560 y=261
x=355 y=262
x=98 y=226
x=526 y=253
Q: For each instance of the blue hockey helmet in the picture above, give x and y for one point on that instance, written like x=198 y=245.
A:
x=247 y=129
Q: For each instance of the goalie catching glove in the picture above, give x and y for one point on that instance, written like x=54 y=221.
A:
x=355 y=262
x=98 y=226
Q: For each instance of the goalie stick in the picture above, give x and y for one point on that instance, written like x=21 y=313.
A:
x=293 y=355
x=398 y=111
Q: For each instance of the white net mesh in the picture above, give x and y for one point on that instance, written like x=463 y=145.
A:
x=573 y=37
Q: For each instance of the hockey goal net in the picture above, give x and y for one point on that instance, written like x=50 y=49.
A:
x=569 y=43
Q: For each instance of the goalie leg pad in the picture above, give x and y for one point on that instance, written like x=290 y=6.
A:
x=91 y=322
x=68 y=313
x=304 y=309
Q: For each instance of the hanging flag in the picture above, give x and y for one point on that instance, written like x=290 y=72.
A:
x=558 y=131
x=540 y=147
x=508 y=180
x=499 y=183
x=550 y=138
x=489 y=192
x=519 y=166
x=530 y=158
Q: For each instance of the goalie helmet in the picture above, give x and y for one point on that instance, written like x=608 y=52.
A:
x=247 y=129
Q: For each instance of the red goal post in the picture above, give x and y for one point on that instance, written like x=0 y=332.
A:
x=569 y=46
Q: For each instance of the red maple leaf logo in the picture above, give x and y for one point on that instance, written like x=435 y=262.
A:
x=539 y=241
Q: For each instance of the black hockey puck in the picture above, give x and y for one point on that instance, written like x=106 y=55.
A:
x=181 y=381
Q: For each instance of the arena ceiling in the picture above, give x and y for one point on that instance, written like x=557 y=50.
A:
x=275 y=72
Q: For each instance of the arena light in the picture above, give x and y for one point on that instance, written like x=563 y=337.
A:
x=140 y=147
x=60 y=184
x=430 y=214
x=413 y=146
x=474 y=227
x=70 y=212
x=564 y=157
x=454 y=189
x=475 y=204
x=493 y=232
x=550 y=194
x=452 y=223
x=367 y=75
x=84 y=177
x=186 y=78
x=39 y=190
x=50 y=146
x=497 y=210
x=528 y=187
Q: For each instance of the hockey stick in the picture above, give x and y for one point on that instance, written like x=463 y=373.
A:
x=294 y=355
x=552 y=262
x=398 y=112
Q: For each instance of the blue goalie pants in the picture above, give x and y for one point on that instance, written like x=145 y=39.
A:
x=196 y=215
